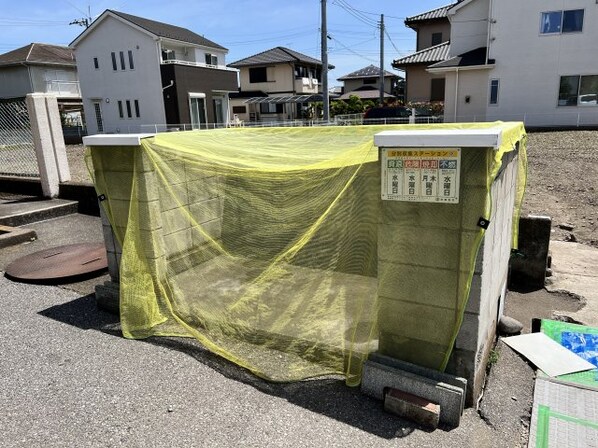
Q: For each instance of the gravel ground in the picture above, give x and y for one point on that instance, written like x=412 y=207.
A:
x=76 y=157
x=563 y=183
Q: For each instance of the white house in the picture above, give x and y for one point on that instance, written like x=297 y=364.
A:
x=530 y=60
x=138 y=75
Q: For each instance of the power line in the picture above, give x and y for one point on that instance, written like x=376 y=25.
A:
x=350 y=10
x=352 y=51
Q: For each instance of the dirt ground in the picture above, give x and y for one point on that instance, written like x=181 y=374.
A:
x=563 y=183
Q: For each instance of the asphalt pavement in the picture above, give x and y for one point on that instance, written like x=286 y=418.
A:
x=69 y=379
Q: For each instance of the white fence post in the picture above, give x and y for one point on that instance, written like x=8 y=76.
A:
x=45 y=134
x=62 y=163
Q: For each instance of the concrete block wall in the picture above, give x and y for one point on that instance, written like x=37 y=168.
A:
x=424 y=252
x=179 y=207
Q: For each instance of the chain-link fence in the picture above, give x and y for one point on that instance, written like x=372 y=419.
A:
x=17 y=153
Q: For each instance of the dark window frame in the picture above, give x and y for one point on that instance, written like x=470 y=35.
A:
x=121 y=112
x=564 y=26
x=114 y=64
x=136 y=104
x=494 y=92
x=96 y=63
x=436 y=38
x=239 y=110
x=122 y=60
x=129 y=112
x=131 y=62
x=258 y=74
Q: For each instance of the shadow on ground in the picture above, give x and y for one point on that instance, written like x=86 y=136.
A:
x=329 y=396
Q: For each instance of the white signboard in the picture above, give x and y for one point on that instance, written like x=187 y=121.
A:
x=421 y=174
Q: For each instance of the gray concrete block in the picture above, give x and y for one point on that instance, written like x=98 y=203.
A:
x=412 y=407
x=419 y=370
x=378 y=377
x=467 y=338
x=108 y=297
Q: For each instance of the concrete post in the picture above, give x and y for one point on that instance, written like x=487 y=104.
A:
x=48 y=141
x=62 y=164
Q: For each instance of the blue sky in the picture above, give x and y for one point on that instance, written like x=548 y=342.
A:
x=245 y=27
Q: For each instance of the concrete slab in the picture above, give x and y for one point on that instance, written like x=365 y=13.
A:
x=575 y=270
x=22 y=211
x=13 y=235
x=377 y=378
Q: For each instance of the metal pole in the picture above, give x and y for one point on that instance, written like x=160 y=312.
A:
x=325 y=98
x=381 y=59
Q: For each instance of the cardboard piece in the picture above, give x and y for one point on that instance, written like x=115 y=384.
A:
x=548 y=355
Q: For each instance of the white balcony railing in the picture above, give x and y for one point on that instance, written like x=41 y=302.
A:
x=63 y=88
x=198 y=64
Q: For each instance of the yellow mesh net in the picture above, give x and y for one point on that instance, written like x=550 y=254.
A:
x=269 y=245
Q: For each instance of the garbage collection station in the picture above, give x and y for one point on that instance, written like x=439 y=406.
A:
x=379 y=253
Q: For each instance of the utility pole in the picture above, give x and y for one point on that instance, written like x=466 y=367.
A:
x=381 y=59
x=325 y=97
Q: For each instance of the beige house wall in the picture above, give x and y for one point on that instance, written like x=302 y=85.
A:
x=424 y=33
x=419 y=83
x=354 y=84
x=281 y=78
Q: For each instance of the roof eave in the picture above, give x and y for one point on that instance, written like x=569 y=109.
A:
x=463 y=68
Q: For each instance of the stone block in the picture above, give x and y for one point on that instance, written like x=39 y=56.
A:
x=172 y=196
x=204 y=188
x=415 y=321
x=468 y=336
x=378 y=377
x=178 y=242
x=412 y=407
x=431 y=247
x=208 y=210
x=175 y=220
x=418 y=370
x=108 y=297
x=207 y=230
x=404 y=282
x=423 y=353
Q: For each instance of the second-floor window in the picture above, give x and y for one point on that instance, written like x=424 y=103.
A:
x=436 y=38
x=258 y=74
x=211 y=59
x=114 y=67
x=370 y=81
x=567 y=21
x=96 y=64
x=131 y=63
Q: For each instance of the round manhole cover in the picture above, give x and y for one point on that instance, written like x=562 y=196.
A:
x=60 y=264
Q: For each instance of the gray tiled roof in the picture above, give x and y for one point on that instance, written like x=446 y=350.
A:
x=168 y=31
x=429 y=55
x=371 y=71
x=468 y=59
x=434 y=14
x=39 y=54
x=274 y=56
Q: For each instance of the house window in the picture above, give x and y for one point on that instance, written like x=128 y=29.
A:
x=370 y=81
x=494 y=83
x=211 y=59
x=258 y=74
x=239 y=109
x=131 y=63
x=114 y=67
x=437 y=89
x=136 y=108
x=120 y=109
x=129 y=114
x=436 y=38
x=300 y=71
x=168 y=55
x=578 y=90
x=271 y=108
x=96 y=64
x=122 y=60
x=568 y=21
x=98 y=112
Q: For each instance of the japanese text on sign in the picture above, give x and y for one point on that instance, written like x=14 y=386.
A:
x=421 y=175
